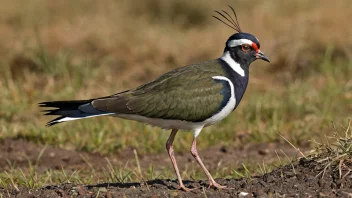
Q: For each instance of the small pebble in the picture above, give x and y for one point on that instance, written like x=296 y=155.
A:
x=242 y=194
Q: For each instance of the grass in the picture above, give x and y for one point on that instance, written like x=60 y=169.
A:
x=86 y=50
x=335 y=151
x=32 y=178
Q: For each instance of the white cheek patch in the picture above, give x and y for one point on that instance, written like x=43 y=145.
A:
x=232 y=63
x=234 y=43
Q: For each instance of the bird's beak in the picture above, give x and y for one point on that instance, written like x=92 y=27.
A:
x=260 y=55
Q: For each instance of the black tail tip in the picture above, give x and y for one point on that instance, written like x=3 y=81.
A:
x=54 y=121
x=49 y=124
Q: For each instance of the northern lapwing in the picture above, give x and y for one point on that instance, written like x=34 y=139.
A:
x=187 y=98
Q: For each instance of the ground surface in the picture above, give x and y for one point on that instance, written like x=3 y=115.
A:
x=285 y=181
x=302 y=184
x=19 y=152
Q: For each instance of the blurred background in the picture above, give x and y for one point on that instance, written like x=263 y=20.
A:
x=63 y=50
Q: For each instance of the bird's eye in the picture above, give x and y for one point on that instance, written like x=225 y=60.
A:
x=246 y=47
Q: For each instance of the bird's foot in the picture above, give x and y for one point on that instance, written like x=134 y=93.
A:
x=216 y=185
x=184 y=188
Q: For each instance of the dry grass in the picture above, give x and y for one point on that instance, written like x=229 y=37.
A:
x=335 y=152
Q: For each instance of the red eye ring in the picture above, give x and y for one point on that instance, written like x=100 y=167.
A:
x=246 y=47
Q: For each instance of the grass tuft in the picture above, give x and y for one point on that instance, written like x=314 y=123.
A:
x=335 y=151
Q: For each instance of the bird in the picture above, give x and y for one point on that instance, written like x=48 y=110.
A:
x=188 y=98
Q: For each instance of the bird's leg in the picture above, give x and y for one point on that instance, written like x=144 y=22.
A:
x=170 y=151
x=212 y=182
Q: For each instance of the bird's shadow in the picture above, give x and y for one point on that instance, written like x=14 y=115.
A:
x=167 y=184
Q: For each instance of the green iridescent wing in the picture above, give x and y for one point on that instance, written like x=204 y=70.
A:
x=188 y=93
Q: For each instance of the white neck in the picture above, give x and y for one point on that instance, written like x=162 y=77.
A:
x=232 y=63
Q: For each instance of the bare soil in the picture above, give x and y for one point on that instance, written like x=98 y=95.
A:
x=20 y=152
x=298 y=181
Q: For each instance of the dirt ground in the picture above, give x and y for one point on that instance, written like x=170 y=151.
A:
x=286 y=181
x=20 y=151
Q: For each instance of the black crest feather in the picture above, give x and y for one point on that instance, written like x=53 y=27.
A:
x=234 y=24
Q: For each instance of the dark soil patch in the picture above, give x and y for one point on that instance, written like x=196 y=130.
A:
x=283 y=182
x=286 y=181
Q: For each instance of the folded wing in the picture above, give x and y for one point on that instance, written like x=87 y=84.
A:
x=190 y=94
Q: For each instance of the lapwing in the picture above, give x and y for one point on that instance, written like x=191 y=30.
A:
x=187 y=98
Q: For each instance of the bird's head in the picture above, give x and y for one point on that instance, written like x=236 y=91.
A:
x=243 y=48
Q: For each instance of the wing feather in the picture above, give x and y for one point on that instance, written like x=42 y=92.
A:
x=188 y=93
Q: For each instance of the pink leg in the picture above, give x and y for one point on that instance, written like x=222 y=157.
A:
x=170 y=150
x=194 y=152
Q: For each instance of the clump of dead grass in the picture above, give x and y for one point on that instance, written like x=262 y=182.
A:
x=335 y=152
